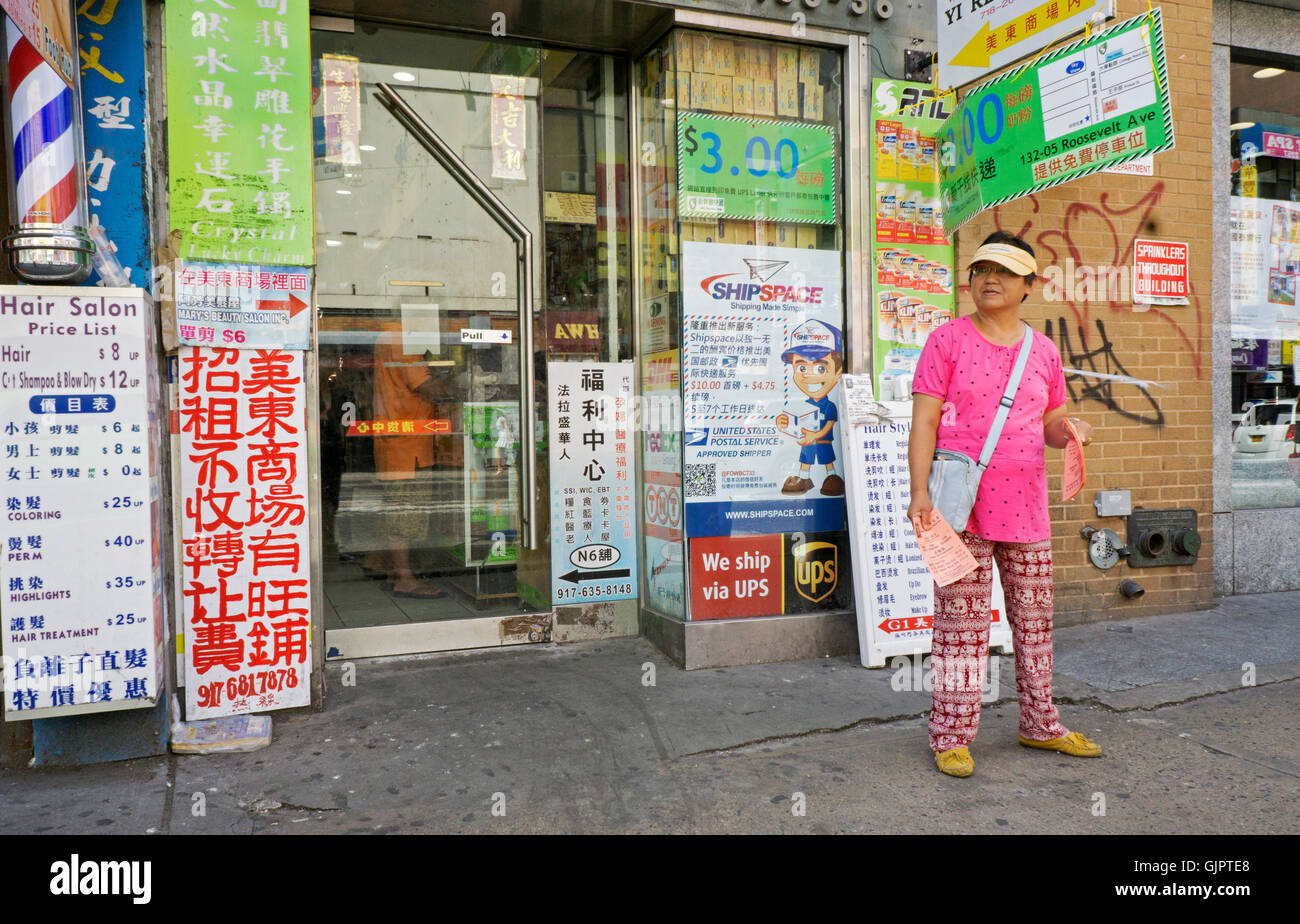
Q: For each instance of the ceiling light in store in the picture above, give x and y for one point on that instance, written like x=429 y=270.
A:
x=329 y=243
x=344 y=192
x=1240 y=126
x=404 y=76
x=417 y=283
x=1265 y=72
x=367 y=147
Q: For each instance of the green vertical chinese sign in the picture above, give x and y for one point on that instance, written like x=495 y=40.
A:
x=239 y=130
x=1097 y=102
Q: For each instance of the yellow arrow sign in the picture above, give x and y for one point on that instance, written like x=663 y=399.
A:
x=991 y=40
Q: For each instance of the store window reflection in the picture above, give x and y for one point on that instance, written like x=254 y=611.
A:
x=421 y=370
x=1265 y=127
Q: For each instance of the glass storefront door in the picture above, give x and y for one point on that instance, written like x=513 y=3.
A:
x=423 y=362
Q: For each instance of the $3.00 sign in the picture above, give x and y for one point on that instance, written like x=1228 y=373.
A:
x=733 y=167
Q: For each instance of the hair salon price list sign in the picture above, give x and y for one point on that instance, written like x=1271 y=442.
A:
x=80 y=572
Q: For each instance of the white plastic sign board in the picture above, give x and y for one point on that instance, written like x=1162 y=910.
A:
x=892 y=588
x=593 y=509
x=977 y=37
x=81 y=566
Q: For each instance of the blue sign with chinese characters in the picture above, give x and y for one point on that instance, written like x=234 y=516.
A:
x=116 y=127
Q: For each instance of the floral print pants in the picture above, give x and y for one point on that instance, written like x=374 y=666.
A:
x=960 y=648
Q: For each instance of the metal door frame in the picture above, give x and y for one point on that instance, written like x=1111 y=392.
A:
x=481 y=631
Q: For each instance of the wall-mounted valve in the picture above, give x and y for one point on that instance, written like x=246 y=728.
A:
x=1163 y=537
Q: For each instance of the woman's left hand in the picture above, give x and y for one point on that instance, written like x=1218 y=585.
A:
x=1084 y=428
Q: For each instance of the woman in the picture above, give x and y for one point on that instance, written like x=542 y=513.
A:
x=960 y=377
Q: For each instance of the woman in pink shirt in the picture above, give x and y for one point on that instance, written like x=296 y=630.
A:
x=960 y=377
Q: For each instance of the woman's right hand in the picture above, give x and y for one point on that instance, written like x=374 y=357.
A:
x=918 y=511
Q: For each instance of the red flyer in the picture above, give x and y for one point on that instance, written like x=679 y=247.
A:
x=1075 y=473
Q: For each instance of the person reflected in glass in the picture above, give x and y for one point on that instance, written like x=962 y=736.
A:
x=406 y=394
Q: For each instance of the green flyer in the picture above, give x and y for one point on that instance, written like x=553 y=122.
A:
x=239 y=131
x=1097 y=102
x=761 y=169
x=912 y=284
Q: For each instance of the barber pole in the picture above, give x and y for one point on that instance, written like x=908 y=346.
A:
x=48 y=242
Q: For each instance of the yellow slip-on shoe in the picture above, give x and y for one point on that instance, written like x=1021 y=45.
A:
x=1074 y=744
x=955 y=762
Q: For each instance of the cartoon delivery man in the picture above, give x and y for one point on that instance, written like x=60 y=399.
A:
x=816 y=359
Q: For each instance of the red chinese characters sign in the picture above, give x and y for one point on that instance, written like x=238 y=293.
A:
x=398 y=427
x=245 y=548
x=509 y=128
x=341 y=100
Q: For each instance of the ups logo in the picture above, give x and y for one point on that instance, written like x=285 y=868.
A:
x=816 y=569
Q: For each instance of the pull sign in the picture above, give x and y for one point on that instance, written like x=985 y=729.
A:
x=484 y=335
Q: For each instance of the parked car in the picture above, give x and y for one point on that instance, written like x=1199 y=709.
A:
x=1267 y=430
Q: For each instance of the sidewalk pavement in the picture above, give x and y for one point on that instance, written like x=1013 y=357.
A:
x=576 y=738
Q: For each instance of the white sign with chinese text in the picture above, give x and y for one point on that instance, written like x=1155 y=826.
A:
x=1265 y=267
x=243 y=306
x=245 y=564
x=593 y=540
x=977 y=37
x=81 y=566
x=892 y=587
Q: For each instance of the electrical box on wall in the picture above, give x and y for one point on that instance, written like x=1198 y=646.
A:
x=1113 y=504
x=1162 y=537
x=904 y=38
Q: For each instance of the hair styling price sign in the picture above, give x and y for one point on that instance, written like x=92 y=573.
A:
x=82 y=570
x=1095 y=103
x=892 y=587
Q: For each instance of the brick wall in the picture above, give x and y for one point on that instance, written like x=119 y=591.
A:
x=1155 y=442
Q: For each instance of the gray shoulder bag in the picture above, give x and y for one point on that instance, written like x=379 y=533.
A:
x=955 y=476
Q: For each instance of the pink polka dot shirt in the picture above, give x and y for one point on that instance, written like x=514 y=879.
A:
x=959 y=366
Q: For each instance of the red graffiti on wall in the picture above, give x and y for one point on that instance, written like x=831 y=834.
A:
x=1118 y=229
x=1063 y=247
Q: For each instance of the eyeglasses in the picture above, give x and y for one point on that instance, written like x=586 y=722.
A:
x=983 y=269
